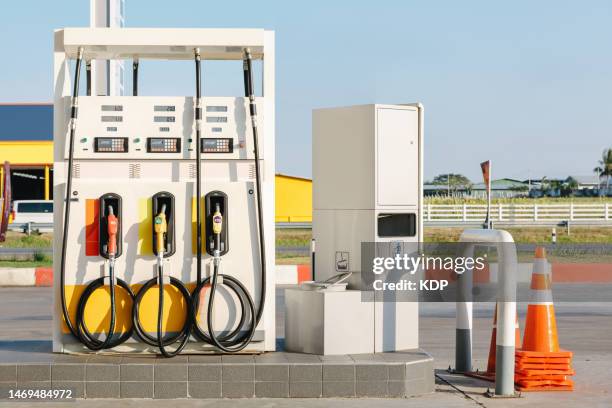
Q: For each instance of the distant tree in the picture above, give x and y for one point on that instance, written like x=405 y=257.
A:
x=604 y=169
x=456 y=180
x=569 y=187
x=544 y=185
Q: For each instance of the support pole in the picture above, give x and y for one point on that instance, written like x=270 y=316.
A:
x=506 y=320
x=463 y=331
x=46 y=182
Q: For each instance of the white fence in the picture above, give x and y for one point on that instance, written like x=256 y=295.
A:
x=518 y=214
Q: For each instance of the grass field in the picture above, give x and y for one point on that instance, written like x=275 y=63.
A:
x=522 y=200
x=47 y=262
x=21 y=240
x=532 y=235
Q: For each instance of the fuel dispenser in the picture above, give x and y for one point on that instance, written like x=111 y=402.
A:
x=144 y=186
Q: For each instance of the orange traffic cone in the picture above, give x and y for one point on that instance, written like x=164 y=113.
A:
x=541 y=365
x=489 y=375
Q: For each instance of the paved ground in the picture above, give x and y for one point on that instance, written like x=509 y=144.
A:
x=584 y=328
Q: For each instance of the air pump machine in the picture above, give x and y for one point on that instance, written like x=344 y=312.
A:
x=162 y=205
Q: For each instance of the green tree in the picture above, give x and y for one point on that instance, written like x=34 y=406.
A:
x=453 y=181
x=569 y=187
x=604 y=169
x=544 y=185
x=456 y=180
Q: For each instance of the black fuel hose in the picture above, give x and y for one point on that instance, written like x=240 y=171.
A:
x=88 y=72
x=162 y=341
x=135 y=77
x=81 y=332
x=86 y=336
x=243 y=333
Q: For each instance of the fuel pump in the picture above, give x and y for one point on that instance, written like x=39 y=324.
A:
x=179 y=167
x=244 y=331
x=80 y=330
x=163 y=246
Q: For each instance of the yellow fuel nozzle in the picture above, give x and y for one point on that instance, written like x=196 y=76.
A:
x=217 y=221
x=160 y=225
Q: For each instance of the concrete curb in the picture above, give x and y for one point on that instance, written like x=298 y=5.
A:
x=285 y=275
x=292 y=274
x=26 y=277
x=401 y=374
x=18 y=276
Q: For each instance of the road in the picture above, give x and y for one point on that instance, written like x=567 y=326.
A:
x=584 y=328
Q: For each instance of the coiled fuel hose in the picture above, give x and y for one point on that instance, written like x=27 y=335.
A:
x=111 y=248
x=243 y=333
x=160 y=226
x=81 y=332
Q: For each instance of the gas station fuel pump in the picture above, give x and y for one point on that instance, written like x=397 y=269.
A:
x=143 y=190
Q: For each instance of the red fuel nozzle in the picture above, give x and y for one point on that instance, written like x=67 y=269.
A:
x=112 y=224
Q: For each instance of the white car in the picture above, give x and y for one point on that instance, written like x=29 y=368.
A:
x=33 y=211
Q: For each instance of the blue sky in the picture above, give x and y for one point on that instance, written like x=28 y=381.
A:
x=527 y=84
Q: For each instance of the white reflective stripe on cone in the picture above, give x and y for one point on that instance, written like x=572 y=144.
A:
x=540 y=297
x=541 y=266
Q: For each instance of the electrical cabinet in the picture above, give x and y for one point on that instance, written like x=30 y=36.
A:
x=367 y=163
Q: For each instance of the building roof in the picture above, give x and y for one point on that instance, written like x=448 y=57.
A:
x=443 y=187
x=501 y=184
x=26 y=121
x=592 y=179
x=293 y=177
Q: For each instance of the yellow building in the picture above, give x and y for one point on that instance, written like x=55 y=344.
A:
x=31 y=168
x=32 y=171
x=293 y=199
x=26 y=133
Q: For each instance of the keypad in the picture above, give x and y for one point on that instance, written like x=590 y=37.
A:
x=217 y=145
x=163 y=145
x=111 y=144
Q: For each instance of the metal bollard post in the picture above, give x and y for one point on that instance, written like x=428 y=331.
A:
x=463 y=330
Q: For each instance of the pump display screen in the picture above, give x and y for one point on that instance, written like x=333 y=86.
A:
x=111 y=144
x=217 y=145
x=169 y=119
x=163 y=145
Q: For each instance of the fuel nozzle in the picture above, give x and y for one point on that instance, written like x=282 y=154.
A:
x=160 y=226
x=112 y=224
x=217 y=227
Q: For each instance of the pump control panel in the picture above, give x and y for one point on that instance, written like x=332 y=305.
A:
x=217 y=145
x=154 y=128
x=163 y=145
x=111 y=145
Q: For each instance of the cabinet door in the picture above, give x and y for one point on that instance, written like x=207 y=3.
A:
x=397 y=156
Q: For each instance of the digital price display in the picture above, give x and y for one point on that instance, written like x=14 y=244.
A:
x=111 y=144
x=217 y=145
x=106 y=118
x=164 y=108
x=112 y=108
x=163 y=145
x=164 y=119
